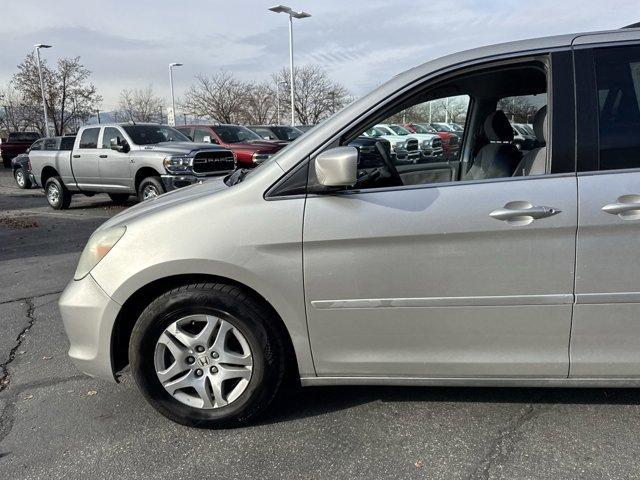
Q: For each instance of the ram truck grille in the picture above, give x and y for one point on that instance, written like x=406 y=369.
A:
x=412 y=145
x=214 y=163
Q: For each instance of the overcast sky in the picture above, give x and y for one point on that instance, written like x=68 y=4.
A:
x=361 y=43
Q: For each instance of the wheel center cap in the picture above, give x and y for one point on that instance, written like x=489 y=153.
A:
x=203 y=361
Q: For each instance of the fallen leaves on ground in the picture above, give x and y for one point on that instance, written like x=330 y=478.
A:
x=18 y=223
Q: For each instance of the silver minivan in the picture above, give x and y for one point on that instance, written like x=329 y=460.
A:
x=334 y=263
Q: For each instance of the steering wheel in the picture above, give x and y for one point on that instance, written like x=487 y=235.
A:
x=393 y=171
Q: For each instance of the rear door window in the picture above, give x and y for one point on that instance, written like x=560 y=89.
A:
x=618 y=87
x=89 y=138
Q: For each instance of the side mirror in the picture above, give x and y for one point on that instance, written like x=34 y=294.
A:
x=337 y=167
x=113 y=144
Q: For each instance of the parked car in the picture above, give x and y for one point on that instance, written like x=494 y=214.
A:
x=522 y=139
x=450 y=141
x=249 y=147
x=21 y=166
x=497 y=269
x=277 y=132
x=15 y=144
x=125 y=159
x=403 y=149
x=22 y=171
x=430 y=143
x=304 y=128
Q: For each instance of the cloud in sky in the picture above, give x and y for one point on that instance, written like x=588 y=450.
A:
x=361 y=43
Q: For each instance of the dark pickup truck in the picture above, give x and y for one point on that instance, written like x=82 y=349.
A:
x=15 y=144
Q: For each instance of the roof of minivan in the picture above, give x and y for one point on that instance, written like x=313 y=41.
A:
x=321 y=133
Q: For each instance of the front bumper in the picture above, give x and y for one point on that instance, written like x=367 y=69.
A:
x=88 y=315
x=173 y=182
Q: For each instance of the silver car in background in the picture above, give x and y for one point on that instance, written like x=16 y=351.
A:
x=497 y=267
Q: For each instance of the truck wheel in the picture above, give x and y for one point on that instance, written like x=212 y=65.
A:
x=207 y=355
x=22 y=178
x=150 y=187
x=119 y=198
x=57 y=194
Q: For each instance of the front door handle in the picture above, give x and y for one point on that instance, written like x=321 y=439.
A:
x=77 y=155
x=103 y=156
x=627 y=207
x=521 y=213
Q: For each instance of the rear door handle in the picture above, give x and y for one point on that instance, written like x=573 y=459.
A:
x=103 y=156
x=627 y=207
x=77 y=155
x=522 y=213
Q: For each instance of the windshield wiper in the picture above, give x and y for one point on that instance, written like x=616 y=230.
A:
x=237 y=176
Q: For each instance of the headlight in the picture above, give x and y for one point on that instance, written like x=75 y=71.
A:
x=96 y=249
x=398 y=145
x=178 y=164
x=259 y=157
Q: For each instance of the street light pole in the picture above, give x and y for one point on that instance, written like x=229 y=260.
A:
x=38 y=46
x=299 y=15
x=173 y=102
x=291 y=74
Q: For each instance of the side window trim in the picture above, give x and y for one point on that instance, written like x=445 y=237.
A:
x=561 y=145
x=587 y=144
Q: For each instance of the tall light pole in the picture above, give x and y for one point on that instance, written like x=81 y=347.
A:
x=292 y=14
x=38 y=46
x=173 y=102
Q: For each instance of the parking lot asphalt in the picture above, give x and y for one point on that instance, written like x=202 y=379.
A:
x=56 y=423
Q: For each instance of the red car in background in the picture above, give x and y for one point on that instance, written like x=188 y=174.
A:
x=15 y=144
x=249 y=147
x=450 y=141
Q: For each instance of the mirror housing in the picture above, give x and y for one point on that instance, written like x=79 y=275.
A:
x=113 y=144
x=337 y=167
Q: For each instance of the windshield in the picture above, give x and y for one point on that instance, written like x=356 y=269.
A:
x=441 y=127
x=151 y=134
x=235 y=134
x=23 y=137
x=286 y=133
x=398 y=130
x=423 y=128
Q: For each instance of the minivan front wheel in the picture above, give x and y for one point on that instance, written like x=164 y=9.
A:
x=205 y=355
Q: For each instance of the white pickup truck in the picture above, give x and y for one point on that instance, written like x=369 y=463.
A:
x=125 y=159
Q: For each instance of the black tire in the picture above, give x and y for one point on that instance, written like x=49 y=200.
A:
x=150 y=183
x=119 y=198
x=62 y=200
x=22 y=178
x=245 y=314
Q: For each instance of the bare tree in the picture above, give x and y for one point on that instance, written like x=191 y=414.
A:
x=139 y=105
x=220 y=97
x=518 y=109
x=316 y=95
x=259 y=106
x=69 y=96
x=16 y=115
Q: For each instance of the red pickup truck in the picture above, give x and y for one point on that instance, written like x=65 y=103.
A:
x=249 y=147
x=15 y=144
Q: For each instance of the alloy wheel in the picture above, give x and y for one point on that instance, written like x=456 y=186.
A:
x=203 y=361
x=53 y=194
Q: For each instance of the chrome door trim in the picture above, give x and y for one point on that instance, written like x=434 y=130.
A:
x=478 y=301
x=586 y=382
x=599 y=298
